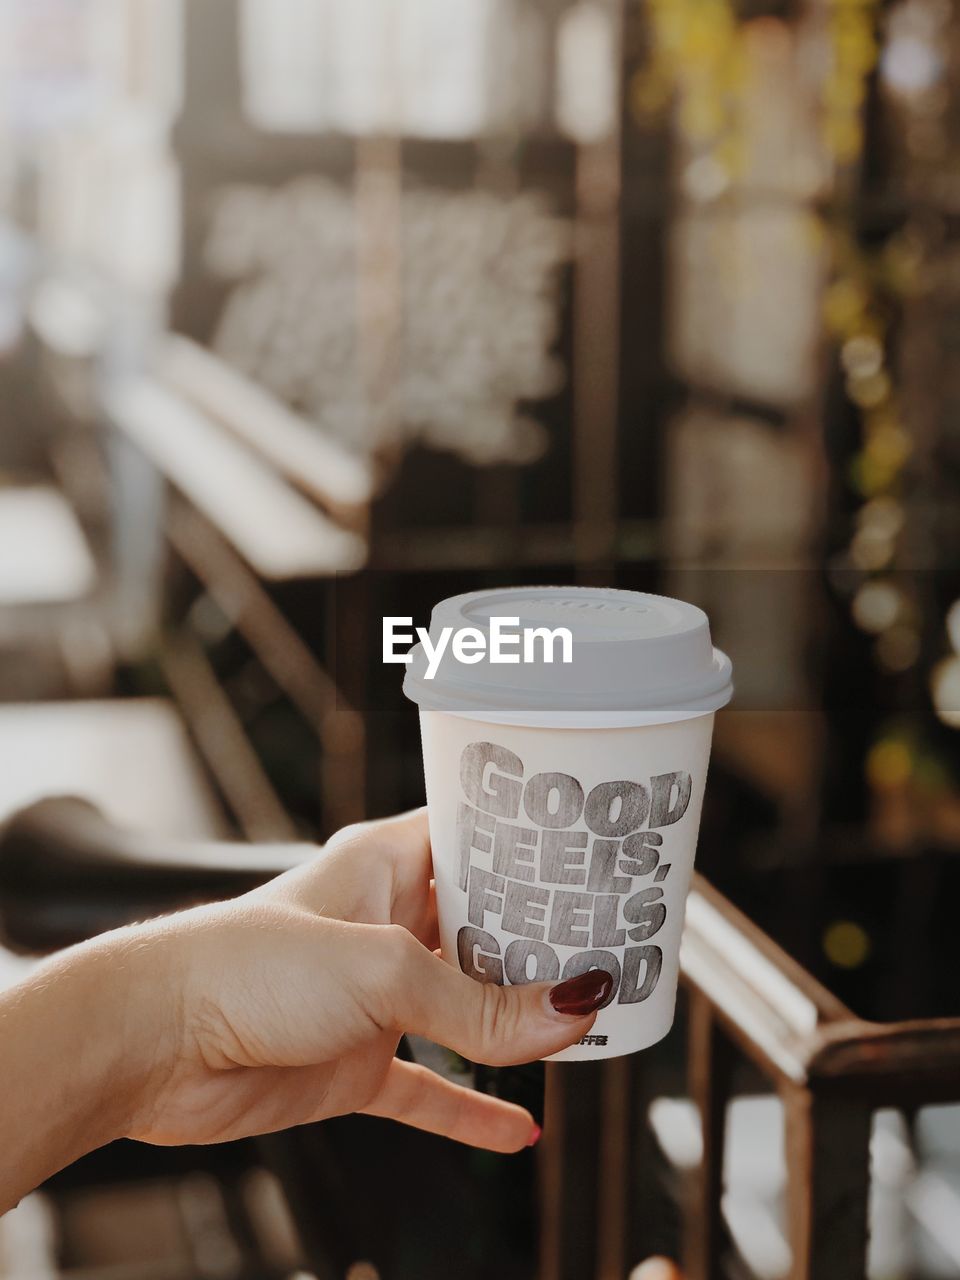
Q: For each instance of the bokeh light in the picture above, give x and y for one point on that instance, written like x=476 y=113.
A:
x=846 y=944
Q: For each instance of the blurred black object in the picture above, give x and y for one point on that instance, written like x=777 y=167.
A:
x=66 y=874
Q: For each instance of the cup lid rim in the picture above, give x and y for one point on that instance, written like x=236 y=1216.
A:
x=636 y=653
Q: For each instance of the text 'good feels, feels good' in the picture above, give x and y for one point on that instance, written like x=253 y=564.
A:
x=557 y=866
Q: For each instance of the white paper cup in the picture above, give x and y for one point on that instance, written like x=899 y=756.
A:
x=564 y=835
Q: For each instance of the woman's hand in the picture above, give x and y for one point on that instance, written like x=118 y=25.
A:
x=278 y=1008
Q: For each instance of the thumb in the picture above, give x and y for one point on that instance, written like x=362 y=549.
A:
x=489 y=1023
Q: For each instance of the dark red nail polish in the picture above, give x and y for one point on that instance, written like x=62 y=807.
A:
x=534 y=1136
x=581 y=995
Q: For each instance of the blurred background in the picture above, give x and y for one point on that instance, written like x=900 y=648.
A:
x=316 y=311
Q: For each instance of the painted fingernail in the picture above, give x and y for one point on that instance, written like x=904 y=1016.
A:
x=581 y=995
x=534 y=1138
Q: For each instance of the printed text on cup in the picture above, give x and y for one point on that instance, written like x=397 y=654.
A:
x=555 y=866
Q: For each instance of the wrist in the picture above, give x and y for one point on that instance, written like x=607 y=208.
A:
x=80 y=1043
x=122 y=979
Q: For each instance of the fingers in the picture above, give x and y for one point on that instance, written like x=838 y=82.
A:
x=405 y=831
x=405 y=844
x=482 y=1021
x=374 y=872
x=418 y=1097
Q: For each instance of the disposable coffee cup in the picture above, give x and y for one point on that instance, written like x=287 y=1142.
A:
x=564 y=797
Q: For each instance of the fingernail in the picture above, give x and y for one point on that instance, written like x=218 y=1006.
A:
x=534 y=1136
x=581 y=995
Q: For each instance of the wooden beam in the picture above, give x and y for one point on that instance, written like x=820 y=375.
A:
x=276 y=529
x=828 y=1159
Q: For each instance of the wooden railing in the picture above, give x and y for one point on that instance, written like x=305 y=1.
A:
x=747 y=1000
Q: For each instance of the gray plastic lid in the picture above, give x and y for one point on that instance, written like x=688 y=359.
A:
x=637 y=659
